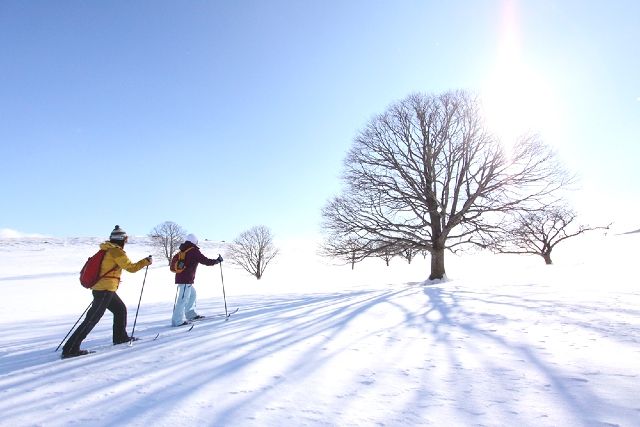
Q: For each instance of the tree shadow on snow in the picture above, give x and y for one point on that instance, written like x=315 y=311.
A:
x=465 y=323
x=300 y=335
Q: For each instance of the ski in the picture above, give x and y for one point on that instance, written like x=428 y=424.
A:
x=233 y=312
x=159 y=334
x=88 y=352
x=216 y=316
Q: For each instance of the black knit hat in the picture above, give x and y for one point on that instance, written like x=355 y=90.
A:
x=118 y=234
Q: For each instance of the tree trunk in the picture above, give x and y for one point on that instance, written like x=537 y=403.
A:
x=437 y=264
x=547 y=258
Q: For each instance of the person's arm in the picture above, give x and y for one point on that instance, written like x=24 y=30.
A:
x=206 y=261
x=120 y=257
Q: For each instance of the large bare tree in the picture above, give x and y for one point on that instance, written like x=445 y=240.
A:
x=539 y=232
x=426 y=174
x=253 y=250
x=166 y=238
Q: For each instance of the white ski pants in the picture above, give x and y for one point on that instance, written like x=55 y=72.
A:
x=185 y=308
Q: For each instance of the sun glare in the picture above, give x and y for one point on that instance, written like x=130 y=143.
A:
x=517 y=100
x=516 y=97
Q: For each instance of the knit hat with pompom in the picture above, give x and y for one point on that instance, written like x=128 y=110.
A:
x=118 y=234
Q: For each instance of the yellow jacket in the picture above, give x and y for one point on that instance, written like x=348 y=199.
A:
x=115 y=257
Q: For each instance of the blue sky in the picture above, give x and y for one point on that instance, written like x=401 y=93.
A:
x=225 y=115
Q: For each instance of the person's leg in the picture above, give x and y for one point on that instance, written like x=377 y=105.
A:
x=178 y=311
x=190 y=308
x=119 y=311
x=100 y=303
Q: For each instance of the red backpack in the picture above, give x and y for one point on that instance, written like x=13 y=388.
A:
x=90 y=273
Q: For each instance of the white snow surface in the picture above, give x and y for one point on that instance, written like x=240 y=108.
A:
x=505 y=341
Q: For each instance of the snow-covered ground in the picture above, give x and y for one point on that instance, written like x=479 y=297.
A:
x=507 y=341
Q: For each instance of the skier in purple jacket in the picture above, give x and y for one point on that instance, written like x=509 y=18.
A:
x=185 y=309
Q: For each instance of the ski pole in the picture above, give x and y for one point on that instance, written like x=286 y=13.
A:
x=136 y=318
x=224 y=295
x=74 y=325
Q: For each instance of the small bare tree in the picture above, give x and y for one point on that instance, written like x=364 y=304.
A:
x=345 y=249
x=538 y=232
x=386 y=254
x=408 y=254
x=166 y=238
x=253 y=250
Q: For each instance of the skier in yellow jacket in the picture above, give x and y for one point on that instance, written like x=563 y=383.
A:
x=105 y=296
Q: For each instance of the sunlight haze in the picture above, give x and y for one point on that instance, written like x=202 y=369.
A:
x=221 y=116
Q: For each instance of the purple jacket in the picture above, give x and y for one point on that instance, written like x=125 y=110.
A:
x=191 y=260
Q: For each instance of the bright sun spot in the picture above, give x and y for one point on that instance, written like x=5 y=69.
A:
x=517 y=100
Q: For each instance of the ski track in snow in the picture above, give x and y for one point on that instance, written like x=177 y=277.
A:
x=365 y=348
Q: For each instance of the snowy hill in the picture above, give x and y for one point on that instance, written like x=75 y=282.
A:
x=506 y=341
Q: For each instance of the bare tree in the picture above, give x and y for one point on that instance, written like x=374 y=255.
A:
x=537 y=233
x=427 y=175
x=347 y=250
x=408 y=254
x=253 y=250
x=166 y=238
x=386 y=253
